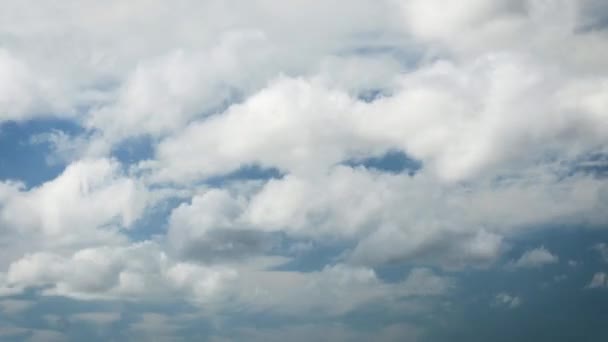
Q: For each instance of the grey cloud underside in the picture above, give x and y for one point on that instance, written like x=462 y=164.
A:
x=277 y=158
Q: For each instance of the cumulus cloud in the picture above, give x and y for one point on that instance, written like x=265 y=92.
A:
x=24 y=96
x=90 y=203
x=535 y=258
x=501 y=105
x=89 y=193
x=504 y=299
x=11 y=307
x=393 y=217
x=324 y=292
x=142 y=271
x=134 y=271
x=598 y=281
x=602 y=249
x=500 y=102
x=161 y=96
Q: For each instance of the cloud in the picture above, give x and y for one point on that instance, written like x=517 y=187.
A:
x=500 y=102
x=11 y=307
x=333 y=332
x=322 y=292
x=45 y=335
x=140 y=270
x=602 y=249
x=506 y=300
x=143 y=272
x=535 y=258
x=599 y=280
x=24 y=94
x=100 y=319
x=155 y=325
x=90 y=203
x=391 y=217
x=89 y=193
x=164 y=94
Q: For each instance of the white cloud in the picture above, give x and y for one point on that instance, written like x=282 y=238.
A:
x=333 y=291
x=138 y=271
x=88 y=194
x=602 y=249
x=535 y=258
x=496 y=111
x=391 y=217
x=88 y=204
x=164 y=94
x=121 y=63
x=599 y=280
x=142 y=271
x=506 y=300
x=23 y=94
x=155 y=326
x=497 y=99
x=435 y=19
x=11 y=307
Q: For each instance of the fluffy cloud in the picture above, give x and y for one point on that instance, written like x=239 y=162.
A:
x=391 y=217
x=535 y=258
x=143 y=271
x=136 y=271
x=101 y=63
x=599 y=280
x=88 y=194
x=89 y=203
x=24 y=95
x=501 y=103
x=161 y=96
x=460 y=119
x=506 y=300
x=324 y=292
x=602 y=249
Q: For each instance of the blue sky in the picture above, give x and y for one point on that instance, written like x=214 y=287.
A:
x=360 y=170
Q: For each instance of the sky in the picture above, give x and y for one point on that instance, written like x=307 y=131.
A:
x=265 y=170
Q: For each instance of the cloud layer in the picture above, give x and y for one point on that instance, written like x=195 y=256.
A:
x=221 y=155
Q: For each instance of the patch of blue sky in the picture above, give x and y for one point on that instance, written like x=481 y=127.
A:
x=28 y=161
x=244 y=173
x=371 y=95
x=594 y=164
x=154 y=221
x=134 y=150
x=393 y=161
x=555 y=305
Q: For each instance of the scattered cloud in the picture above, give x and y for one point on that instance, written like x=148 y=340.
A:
x=599 y=280
x=504 y=299
x=11 y=307
x=535 y=258
x=602 y=249
x=499 y=105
